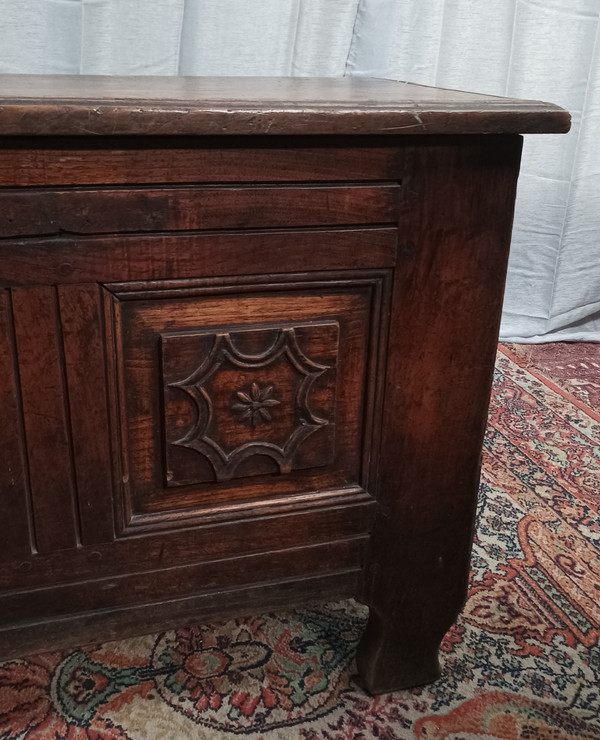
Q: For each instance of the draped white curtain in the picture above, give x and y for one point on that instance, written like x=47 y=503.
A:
x=542 y=49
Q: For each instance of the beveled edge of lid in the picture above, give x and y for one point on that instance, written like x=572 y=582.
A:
x=54 y=105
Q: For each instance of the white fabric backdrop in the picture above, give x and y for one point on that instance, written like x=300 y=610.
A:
x=543 y=49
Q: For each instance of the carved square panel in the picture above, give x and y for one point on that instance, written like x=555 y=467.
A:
x=247 y=402
x=228 y=397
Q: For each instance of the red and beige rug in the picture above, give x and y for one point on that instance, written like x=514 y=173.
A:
x=523 y=661
x=574 y=366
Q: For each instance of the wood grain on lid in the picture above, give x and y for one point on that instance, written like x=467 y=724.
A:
x=57 y=105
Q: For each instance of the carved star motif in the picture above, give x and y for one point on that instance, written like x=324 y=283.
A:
x=254 y=402
x=253 y=405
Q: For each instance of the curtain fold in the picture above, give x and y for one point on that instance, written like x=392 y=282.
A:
x=546 y=50
x=263 y=37
x=134 y=37
x=575 y=297
x=541 y=49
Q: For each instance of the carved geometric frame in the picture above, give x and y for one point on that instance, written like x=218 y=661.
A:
x=198 y=438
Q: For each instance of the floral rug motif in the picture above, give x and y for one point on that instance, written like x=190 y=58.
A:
x=522 y=661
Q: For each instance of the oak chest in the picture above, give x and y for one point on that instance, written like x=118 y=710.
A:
x=247 y=332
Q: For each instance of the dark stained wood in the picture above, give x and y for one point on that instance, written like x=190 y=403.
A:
x=18 y=539
x=194 y=275
x=50 y=211
x=87 y=105
x=252 y=401
x=81 y=320
x=60 y=161
x=158 y=257
x=294 y=521
x=449 y=286
x=151 y=586
x=43 y=394
x=90 y=627
x=150 y=463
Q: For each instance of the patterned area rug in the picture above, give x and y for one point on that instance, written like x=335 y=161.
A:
x=574 y=366
x=523 y=661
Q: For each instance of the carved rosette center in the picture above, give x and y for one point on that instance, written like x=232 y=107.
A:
x=254 y=404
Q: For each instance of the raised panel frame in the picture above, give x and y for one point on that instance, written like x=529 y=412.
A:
x=374 y=287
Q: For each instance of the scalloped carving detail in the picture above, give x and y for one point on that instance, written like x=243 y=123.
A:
x=257 y=403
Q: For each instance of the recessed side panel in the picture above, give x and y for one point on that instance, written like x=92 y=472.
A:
x=231 y=397
x=18 y=534
x=45 y=402
x=83 y=342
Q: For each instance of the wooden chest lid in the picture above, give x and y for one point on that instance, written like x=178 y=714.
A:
x=101 y=105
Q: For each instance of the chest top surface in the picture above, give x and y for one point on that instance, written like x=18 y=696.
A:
x=79 y=105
